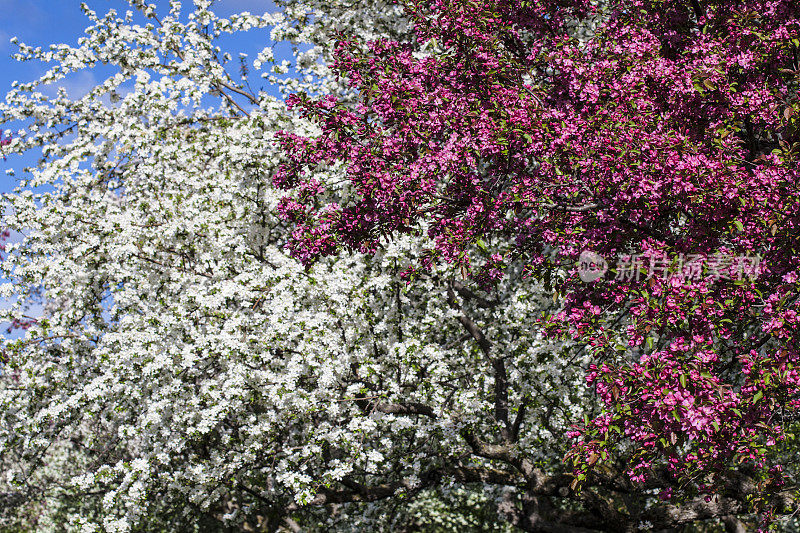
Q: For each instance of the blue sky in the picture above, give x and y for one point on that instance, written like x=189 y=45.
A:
x=44 y=22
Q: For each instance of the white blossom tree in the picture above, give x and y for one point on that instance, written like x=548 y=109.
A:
x=187 y=374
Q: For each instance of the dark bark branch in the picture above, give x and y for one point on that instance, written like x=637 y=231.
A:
x=733 y=525
x=515 y=427
x=503 y=452
x=531 y=519
x=10 y=500
x=250 y=97
x=468 y=294
x=571 y=208
x=457 y=341
x=668 y=515
x=363 y=494
x=536 y=513
x=500 y=375
x=495 y=452
x=356 y=492
x=721 y=507
x=484 y=474
x=406 y=408
x=468 y=324
x=611 y=519
x=698 y=11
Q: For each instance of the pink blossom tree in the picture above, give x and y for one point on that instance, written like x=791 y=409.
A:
x=660 y=135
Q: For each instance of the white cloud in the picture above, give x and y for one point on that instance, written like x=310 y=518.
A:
x=76 y=85
x=257 y=7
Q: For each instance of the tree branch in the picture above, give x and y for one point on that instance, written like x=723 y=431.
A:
x=406 y=408
x=466 y=293
x=500 y=375
x=569 y=208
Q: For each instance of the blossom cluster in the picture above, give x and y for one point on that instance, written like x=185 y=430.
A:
x=186 y=373
x=672 y=128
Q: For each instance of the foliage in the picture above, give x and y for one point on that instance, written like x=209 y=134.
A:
x=660 y=135
x=186 y=373
x=400 y=341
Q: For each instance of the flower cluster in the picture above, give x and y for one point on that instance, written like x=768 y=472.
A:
x=669 y=128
